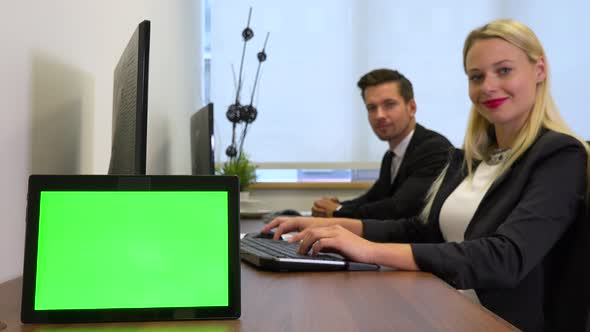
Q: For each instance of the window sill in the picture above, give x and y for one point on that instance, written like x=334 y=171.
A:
x=311 y=185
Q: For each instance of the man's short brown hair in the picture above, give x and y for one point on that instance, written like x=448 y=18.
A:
x=380 y=76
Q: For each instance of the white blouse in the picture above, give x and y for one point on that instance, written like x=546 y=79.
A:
x=459 y=208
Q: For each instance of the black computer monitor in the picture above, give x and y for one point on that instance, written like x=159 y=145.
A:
x=202 y=141
x=130 y=102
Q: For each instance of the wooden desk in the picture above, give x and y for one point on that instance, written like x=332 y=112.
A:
x=320 y=301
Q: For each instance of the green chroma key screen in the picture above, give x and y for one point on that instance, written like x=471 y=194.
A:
x=132 y=249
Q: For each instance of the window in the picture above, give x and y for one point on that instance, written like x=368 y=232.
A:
x=309 y=108
x=306 y=173
x=206 y=51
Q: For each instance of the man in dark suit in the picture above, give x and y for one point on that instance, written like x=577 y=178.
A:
x=416 y=155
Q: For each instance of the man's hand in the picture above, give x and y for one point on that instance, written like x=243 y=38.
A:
x=325 y=207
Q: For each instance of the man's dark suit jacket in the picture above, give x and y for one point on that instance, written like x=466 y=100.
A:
x=520 y=254
x=426 y=155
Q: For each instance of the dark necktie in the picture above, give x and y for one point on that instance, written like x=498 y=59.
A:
x=394 y=163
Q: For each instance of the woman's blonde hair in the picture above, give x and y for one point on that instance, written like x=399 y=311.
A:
x=479 y=139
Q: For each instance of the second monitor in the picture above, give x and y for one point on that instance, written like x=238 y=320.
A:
x=202 y=141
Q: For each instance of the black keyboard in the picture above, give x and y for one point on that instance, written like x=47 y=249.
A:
x=282 y=249
x=282 y=256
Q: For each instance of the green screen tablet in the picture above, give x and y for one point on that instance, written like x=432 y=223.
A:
x=110 y=248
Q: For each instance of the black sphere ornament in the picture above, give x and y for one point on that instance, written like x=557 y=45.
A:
x=231 y=151
x=261 y=56
x=233 y=113
x=243 y=113
x=249 y=114
x=247 y=34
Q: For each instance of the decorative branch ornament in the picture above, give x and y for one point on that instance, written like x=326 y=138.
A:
x=236 y=112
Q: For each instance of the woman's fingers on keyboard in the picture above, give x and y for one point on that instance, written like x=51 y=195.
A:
x=282 y=225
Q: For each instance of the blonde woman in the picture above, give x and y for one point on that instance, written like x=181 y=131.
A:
x=494 y=218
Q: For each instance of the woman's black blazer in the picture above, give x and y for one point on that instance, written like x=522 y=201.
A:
x=516 y=243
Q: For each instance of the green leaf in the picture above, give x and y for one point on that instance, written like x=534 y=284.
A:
x=242 y=168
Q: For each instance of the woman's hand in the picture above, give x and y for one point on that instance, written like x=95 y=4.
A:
x=297 y=224
x=292 y=224
x=335 y=238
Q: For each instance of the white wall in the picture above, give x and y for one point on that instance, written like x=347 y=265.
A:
x=56 y=81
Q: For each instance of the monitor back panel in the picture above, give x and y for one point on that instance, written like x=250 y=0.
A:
x=202 y=141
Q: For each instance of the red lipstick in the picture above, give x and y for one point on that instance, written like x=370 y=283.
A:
x=494 y=103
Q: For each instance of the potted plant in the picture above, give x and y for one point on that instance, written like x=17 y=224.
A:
x=241 y=167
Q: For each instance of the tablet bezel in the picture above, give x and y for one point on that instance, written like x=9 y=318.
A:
x=39 y=183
